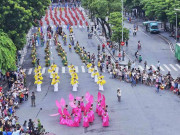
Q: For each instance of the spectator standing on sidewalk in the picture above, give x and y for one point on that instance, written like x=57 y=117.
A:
x=126 y=42
x=158 y=65
x=119 y=94
x=145 y=65
x=129 y=64
x=33 y=97
x=103 y=47
x=123 y=55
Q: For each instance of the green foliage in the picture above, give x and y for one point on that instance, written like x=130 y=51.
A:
x=162 y=10
x=115 y=19
x=7 y=53
x=17 y=17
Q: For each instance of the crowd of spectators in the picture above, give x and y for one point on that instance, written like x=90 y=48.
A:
x=10 y=100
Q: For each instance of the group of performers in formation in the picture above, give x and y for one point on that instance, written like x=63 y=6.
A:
x=81 y=110
x=47 y=51
x=98 y=78
x=38 y=77
x=53 y=70
x=74 y=77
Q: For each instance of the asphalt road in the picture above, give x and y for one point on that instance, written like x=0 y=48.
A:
x=142 y=110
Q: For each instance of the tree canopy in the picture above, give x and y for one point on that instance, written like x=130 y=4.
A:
x=17 y=17
x=7 y=53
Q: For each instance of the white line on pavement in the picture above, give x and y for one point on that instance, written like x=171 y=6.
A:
x=154 y=67
x=167 y=67
x=83 y=69
x=173 y=67
x=57 y=69
x=43 y=70
x=76 y=67
x=30 y=70
x=63 y=69
x=178 y=66
x=161 y=68
x=141 y=68
x=147 y=66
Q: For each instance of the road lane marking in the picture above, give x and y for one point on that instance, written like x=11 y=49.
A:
x=57 y=69
x=178 y=66
x=161 y=68
x=30 y=71
x=83 y=69
x=154 y=67
x=43 y=70
x=173 y=67
x=141 y=68
x=167 y=67
x=76 y=67
x=63 y=69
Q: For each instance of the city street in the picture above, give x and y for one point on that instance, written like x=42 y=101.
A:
x=141 y=111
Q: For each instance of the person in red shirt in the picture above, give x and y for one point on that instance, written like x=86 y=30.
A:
x=103 y=47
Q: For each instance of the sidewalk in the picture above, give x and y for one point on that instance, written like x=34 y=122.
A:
x=164 y=35
x=102 y=39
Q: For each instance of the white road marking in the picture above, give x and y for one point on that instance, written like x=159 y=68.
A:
x=161 y=68
x=173 y=67
x=43 y=70
x=154 y=67
x=57 y=69
x=141 y=68
x=147 y=67
x=83 y=69
x=63 y=69
x=178 y=66
x=167 y=67
x=30 y=71
x=76 y=67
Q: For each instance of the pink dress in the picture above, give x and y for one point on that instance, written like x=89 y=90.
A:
x=97 y=108
x=70 y=122
x=76 y=121
x=105 y=121
x=91 y=116
x=63 y=121
x=82 y=106
x=100 y=111
x=85 y=121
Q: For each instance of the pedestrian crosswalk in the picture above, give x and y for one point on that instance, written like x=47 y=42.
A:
x=82 y=69
x=163 y=67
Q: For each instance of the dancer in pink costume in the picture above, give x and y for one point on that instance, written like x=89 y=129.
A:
x=82 y=104
x=85 y=121
x=76 y=121
x=91 y=115
x=70 y=122
x=63 y=120
x=105 y=119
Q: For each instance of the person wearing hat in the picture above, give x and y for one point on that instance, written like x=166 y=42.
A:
x=119 y=94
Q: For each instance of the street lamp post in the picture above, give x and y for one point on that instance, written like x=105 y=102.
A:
x=176 y=22
x=122 y=28
x=176 y=28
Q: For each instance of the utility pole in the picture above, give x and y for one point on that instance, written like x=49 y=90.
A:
x=176 y=23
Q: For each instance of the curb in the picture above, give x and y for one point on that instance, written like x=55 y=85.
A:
x=168 y=42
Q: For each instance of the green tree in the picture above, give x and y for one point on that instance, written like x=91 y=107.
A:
x=7 y=53
x=17 y=17
x=115 y=19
